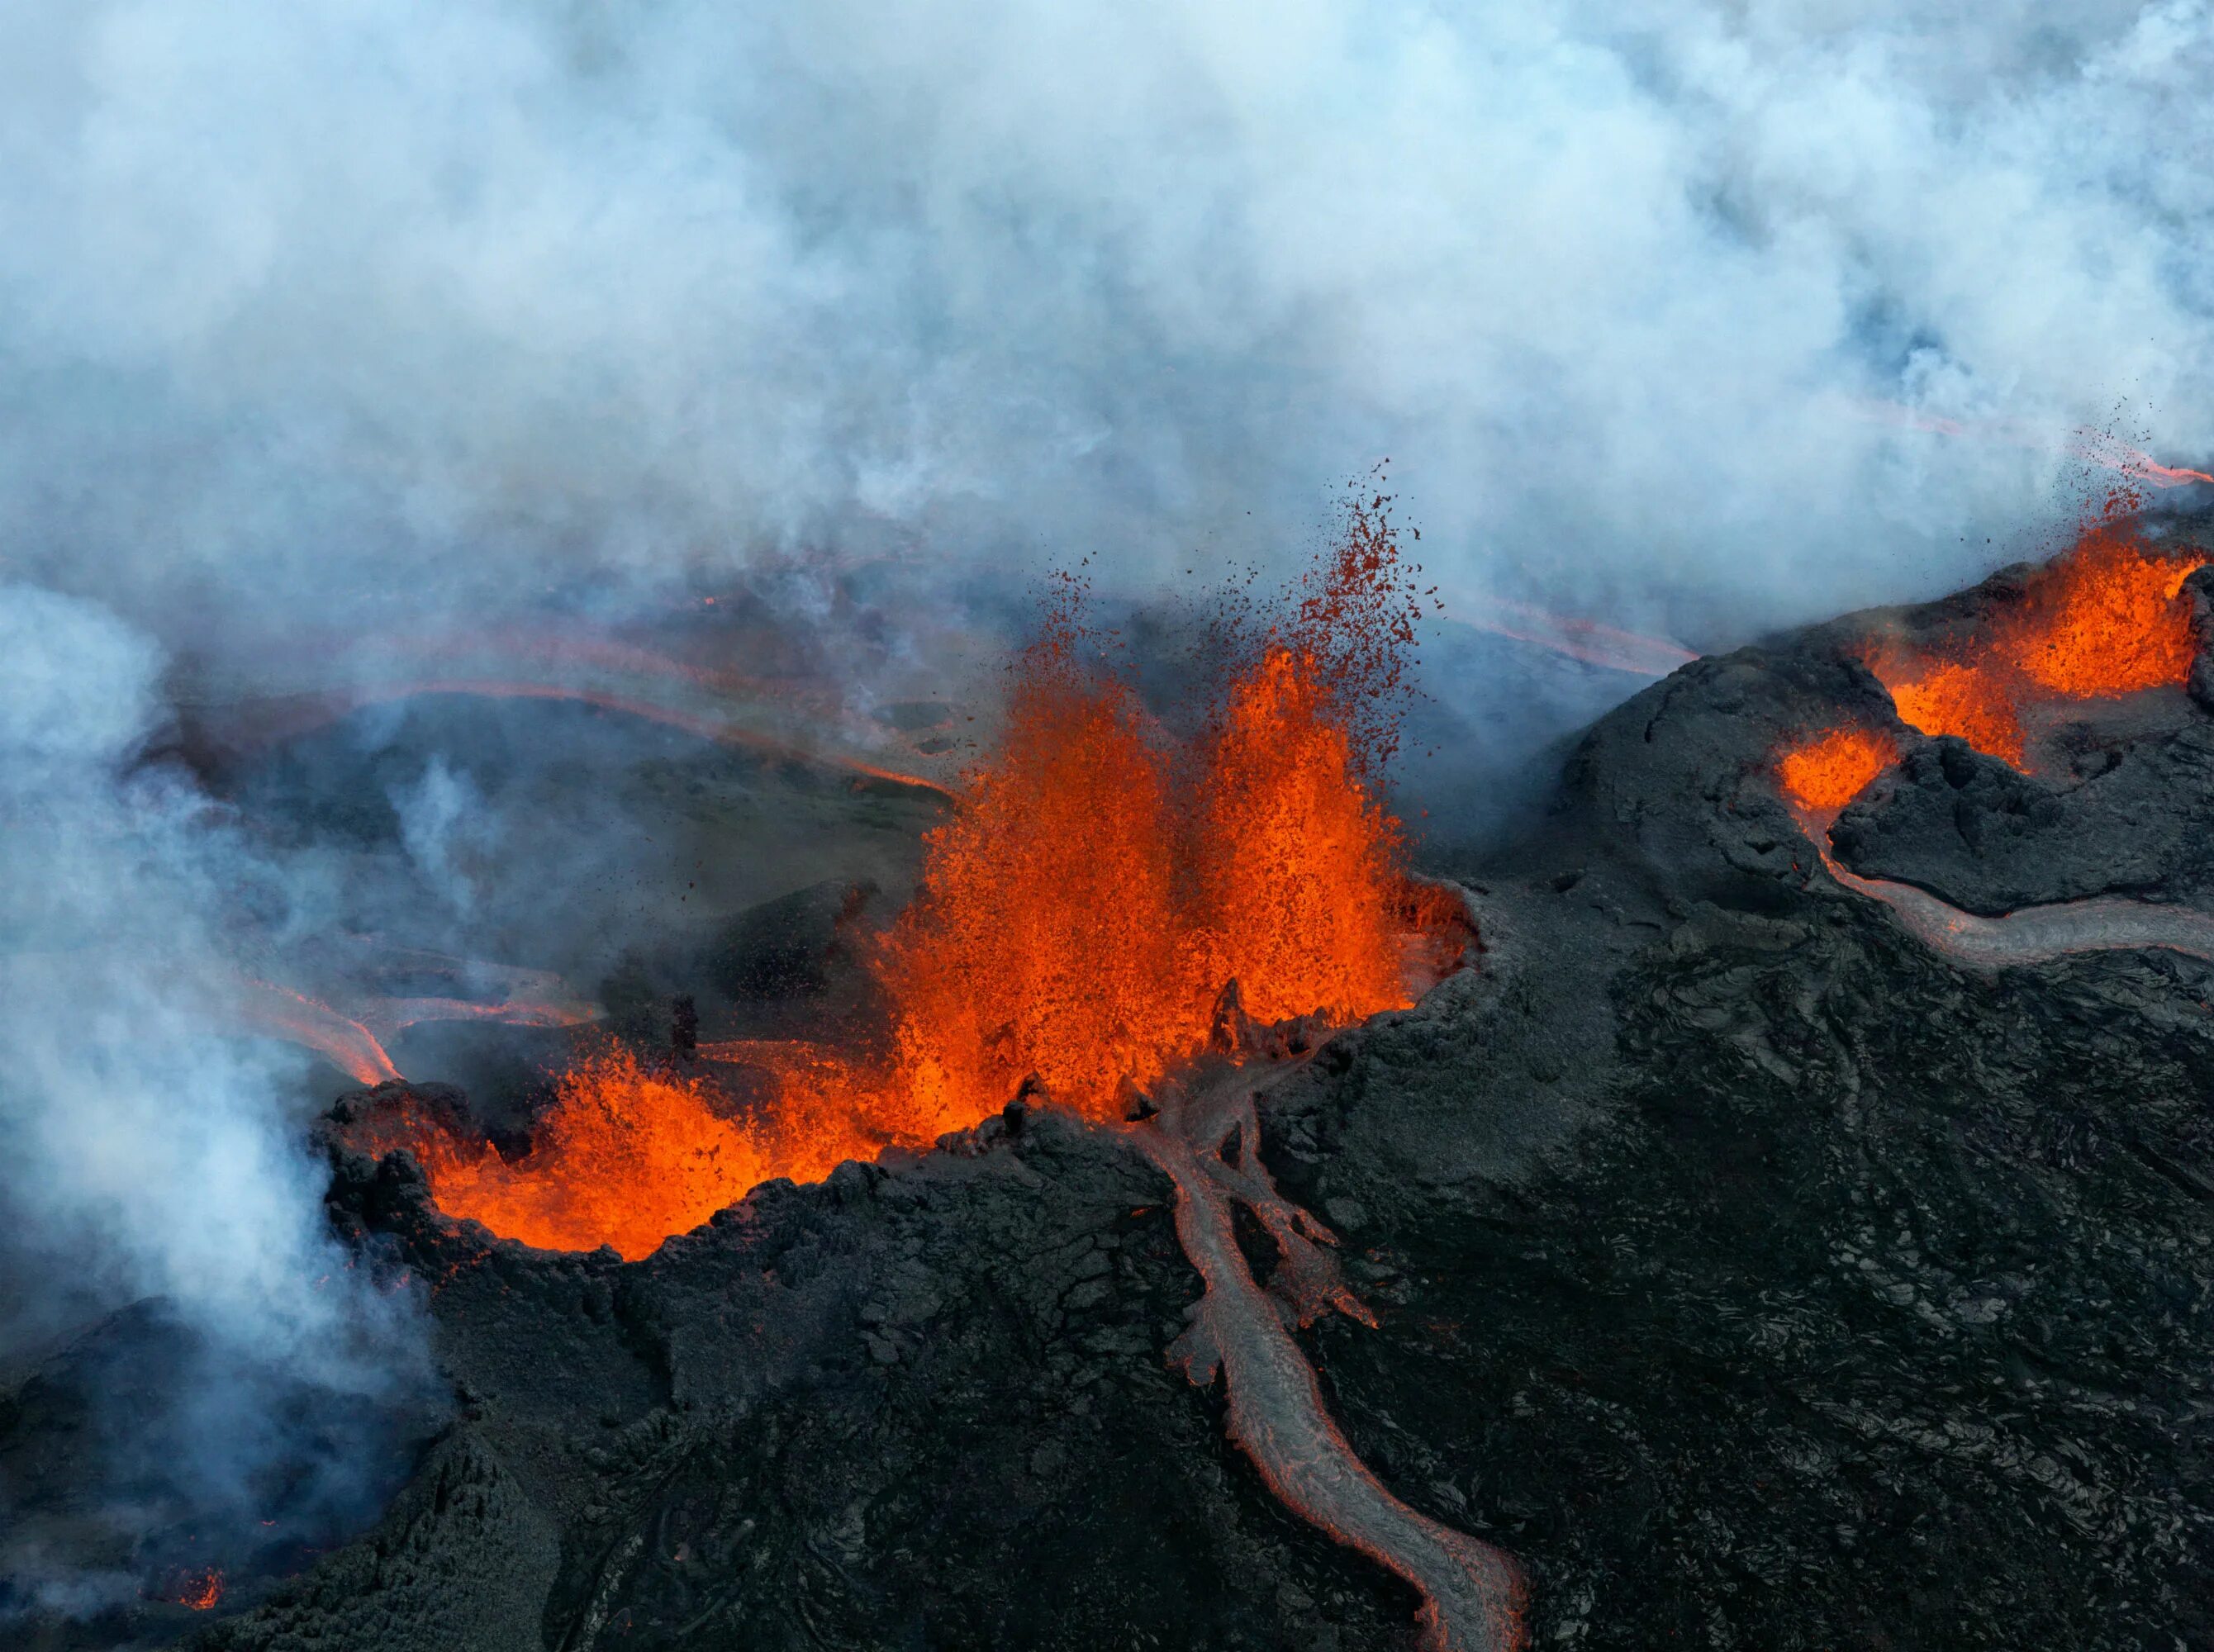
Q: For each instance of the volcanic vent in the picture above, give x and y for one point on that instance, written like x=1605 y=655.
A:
x=1793 y=1234
x=1129 y=920
x=1099 y=884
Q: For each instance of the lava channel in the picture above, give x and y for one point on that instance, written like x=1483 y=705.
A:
x=2029 y=935
x=1205 y=1138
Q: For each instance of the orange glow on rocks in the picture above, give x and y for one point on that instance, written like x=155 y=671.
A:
x=1827 y=773
x=201 y=1590
x=1077 y=918
x=2108 y=618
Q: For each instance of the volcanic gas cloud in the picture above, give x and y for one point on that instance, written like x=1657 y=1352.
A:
x=2108 y=618
x=1100 y=880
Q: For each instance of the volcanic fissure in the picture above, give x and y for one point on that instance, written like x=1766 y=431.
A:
x=1134 y=919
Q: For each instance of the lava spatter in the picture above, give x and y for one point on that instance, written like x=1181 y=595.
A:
x=1098 y=882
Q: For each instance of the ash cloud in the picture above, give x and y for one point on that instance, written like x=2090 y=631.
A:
x=359 y=307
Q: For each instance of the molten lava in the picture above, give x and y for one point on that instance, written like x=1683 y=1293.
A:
x=2108 y=618
x=1046 y=937
x=201 y=1590
x=625 y=1157
x=1298 y=866
x=1076 y=921
x=1828 y=772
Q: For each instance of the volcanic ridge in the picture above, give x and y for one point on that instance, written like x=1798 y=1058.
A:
x=1764 y=1205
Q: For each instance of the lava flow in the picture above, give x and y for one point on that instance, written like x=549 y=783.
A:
x=1076 y=919
x=2108 y=618
x=1201 y=1138
x=1088 y=926
x=1824 y=774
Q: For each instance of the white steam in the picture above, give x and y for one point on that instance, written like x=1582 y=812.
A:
x=322 y=304
x=142 y=1153
x=447 y=831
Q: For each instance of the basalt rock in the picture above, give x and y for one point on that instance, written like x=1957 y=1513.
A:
x=922 y=1403
x=1754 y=1272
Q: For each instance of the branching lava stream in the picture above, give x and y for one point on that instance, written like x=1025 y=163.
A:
x=1204 y=1140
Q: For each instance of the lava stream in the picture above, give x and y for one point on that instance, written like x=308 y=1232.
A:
x=1590 y=641
x=2029 y=935
x=280 y=1012
x=1473 y=1595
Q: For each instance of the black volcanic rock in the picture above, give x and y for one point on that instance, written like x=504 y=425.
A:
x=917 y=1405
x=1758 y=1276
x=1989 y=838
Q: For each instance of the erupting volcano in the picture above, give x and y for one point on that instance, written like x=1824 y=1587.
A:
x=2108 y=618
x=1099 y=883
x=1104 y=926
x=1124 y=1224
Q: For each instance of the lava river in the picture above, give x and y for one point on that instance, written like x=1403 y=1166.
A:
x=1204 y=1136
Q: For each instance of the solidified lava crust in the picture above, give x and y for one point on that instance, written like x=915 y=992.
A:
x=1763 y=1257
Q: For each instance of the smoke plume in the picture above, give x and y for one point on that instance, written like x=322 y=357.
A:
x=312 y=306
x=147 y=1159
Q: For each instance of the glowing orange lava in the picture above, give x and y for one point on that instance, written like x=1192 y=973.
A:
x=624 y=1158
x=200 y=1590
x=1829 y=772
x=1298 y=865
x=1046 y=938
x=1946 y=697
x=2108 y=618
x=1076 y=920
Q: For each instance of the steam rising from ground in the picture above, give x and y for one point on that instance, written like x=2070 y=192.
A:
x=140 y=1155
x=318 y=304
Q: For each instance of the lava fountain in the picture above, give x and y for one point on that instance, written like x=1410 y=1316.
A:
x=1097 y=883
x=1093 y=925
x=2108 y=618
